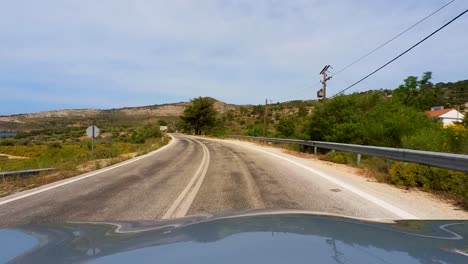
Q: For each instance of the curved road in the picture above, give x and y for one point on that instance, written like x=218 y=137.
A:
x=191 y=176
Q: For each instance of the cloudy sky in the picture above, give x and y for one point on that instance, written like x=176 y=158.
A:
x=57 y=54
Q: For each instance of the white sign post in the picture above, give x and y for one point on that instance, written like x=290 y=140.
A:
x=92 y=132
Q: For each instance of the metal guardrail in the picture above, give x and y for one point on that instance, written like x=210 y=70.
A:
x=437 y=159
x=24 y=172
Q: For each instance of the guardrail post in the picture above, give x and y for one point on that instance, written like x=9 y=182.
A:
x=315 y=150
x=358 y=159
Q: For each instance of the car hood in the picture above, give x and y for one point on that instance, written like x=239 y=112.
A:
x=241 y=237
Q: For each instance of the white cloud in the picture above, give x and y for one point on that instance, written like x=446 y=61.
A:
x=240 y=51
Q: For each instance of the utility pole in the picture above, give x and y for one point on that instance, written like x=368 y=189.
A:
x=324 y=85
x=265 y=111
x=323 y=92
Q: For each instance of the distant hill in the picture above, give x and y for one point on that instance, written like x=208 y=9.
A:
x=449 y=95
x=83 y=117
x=453 y=93
x=118 y=116
x=237 y=116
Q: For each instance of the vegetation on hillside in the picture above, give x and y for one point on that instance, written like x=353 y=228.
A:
x=120 y=118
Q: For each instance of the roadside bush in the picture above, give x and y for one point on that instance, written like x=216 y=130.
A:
x=431 y=139
x=430 y=178
x=387 y=123
x=340 y=157
x=140 y=135
x=378 y=164
x=409 y=174
x=458 y=138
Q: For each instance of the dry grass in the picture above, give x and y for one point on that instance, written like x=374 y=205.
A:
x=12 y=156
x=16 y=184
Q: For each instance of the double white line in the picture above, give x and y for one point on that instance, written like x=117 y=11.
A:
x=183 y=202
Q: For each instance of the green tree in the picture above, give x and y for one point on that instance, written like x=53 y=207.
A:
x=417 y=93
x=218 y=128
x=387 y=123
x=200 y=116
x=285 y=127
x=338 y=120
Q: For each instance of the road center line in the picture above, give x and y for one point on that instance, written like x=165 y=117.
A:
x=393 y=209
x=182 y=203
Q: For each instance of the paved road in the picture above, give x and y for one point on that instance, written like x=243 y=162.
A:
x=191 y=176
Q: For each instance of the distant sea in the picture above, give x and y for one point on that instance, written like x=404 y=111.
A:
x=7 y=134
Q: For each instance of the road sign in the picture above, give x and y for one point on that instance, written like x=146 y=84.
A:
x=163 y=128
x=92 y=131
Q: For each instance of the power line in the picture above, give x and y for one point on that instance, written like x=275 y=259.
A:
x=301 y=91
x=403 y=53
x=392 y=39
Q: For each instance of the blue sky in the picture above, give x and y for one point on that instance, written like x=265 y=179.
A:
x=57 y=54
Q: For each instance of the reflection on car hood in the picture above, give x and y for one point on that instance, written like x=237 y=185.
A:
x=247 y=237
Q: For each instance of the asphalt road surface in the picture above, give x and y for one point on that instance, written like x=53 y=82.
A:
x=192 y=176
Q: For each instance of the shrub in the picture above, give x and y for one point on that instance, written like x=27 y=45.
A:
x=7 y=142
x=285 y=127
x=137 y=138
x=54 y=144
x=103 y=153
x=431 y=139
x=458 y=138
x=378 y=164
x=430 y=178
x=409 y=174
x=340 y=157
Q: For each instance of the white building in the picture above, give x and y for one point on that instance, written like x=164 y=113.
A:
x=446 y=116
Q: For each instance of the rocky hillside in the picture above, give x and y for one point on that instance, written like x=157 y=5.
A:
x=82 y=117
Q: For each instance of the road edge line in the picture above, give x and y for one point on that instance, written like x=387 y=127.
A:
x=41 y=189
x=392 y=209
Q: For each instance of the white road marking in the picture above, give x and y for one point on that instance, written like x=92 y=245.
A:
x=28 y=193
x=393 y=209
x=182 y=203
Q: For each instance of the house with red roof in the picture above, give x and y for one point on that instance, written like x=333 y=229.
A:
x=445 y=116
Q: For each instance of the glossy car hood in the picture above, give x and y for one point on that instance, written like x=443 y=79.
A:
x=248 y=237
